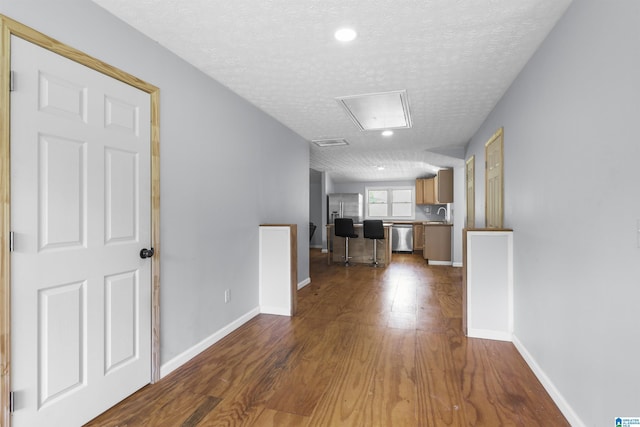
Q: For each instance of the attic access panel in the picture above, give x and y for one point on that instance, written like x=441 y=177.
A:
x=378 y=111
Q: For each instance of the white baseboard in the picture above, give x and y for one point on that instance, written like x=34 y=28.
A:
x=488 y=334
x=457 y=264
x=304 y=283
x=192 y=352
x=324 y=251
x=555 y=394
x=439 y=262
x=278 y=311
x=315 y=246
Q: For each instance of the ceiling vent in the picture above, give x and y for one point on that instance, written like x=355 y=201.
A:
x=377 y=111
x=330 y=142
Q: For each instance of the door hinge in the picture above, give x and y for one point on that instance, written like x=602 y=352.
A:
x=11 y=241
x=12 y=80
x=11 y=401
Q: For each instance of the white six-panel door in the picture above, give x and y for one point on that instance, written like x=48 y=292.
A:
x=80 y=213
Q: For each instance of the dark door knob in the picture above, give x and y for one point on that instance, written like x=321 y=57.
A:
x=146 y=253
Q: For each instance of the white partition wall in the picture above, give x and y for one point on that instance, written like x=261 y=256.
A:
x=278 y=269
x=488 y=284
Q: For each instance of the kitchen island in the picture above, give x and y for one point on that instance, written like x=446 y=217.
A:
x=360 y=249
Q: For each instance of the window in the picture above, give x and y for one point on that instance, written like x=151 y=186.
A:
x=390 y=203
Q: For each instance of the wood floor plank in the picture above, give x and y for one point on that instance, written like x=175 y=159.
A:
x=312 y=367
x=485 y=403
x=481 y=391
x=236 y=360
x=353 y=384
x=243 y=403
x=400 y=320
x=393 y=397
x=429 y=316
x=519 y=387
x=271 y=418
x=450 y=298
x=169 y=411
x=201 y=411
x=365 y=308
x=440 y=401
x=493 y=378
x=406 y=297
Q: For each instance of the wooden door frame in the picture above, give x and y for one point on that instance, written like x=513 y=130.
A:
x=470 y=222
x=498 y=136
x=9 y=27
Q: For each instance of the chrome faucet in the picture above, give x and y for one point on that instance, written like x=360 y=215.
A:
x=445 y=212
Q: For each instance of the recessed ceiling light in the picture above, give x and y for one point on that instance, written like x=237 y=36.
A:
x=380 y=168
x=345 y=34
x=387 y=132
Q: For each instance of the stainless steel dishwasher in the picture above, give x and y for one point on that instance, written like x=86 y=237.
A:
x=402 y=238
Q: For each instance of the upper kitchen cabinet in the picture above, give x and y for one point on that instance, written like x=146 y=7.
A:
x=444 y=186
x=436 y=190
x=420 y=191
x=426 y=191
x=430 y=191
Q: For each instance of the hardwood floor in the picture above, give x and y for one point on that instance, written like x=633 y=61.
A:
x=369 y=347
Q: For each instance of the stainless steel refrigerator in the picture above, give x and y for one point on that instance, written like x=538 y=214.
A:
x=344 y=205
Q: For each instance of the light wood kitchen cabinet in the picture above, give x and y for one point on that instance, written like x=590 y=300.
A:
x=430 y=191
x=418 y=237
x=436 y=190
x=425 y=191
x=419 y=191
x=444 y=186
x=437 y=244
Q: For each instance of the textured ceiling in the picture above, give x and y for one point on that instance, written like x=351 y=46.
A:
x=455 y=58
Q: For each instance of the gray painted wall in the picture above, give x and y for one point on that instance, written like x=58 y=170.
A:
x=226 y=167
x=571 y=129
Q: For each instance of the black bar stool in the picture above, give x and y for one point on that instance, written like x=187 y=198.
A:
x=344 y=228
x=374 y=229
